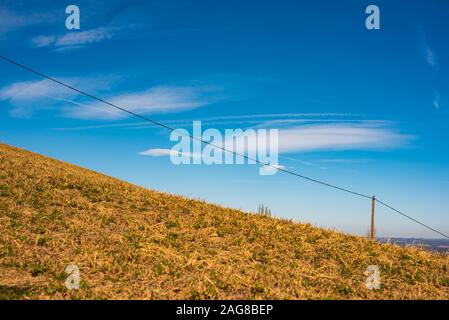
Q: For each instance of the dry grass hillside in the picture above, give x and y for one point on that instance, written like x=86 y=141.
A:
x=130 y=242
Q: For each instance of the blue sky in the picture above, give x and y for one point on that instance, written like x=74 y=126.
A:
x=367 y=110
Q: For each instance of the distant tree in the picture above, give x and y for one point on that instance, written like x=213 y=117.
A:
x=264 y=211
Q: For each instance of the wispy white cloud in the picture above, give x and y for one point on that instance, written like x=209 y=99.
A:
x=271 y=169
x=43 y=41
x=335 y=135
x=159 y=99
x=288 y=122
x=157 y=152
x=305 y=163
x=283 y=115
x=83 y=37
x=28 y=91
x=344 y=161
x=73 y=39
x=167 y=152
x=341 y=136
x=338 y=136
x=264 y=170
x=313 y=134
x=430 y=56
x=28 y=96
x=12 y=21
x=255 y=120
x=436 y=100
x=323 y=138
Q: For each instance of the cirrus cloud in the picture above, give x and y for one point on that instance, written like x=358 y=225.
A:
x=364 y=136
x=73 y=39
x=342 y=136
x=158 y=99
x=11 y=21
x=168 y=152
x=26 y=97
x=29 y=96
x=338 y=136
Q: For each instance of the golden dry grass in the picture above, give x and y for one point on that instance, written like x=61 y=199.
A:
x=130 y=242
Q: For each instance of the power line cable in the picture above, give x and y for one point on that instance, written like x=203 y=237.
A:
x=213 y=145
x=413 y=219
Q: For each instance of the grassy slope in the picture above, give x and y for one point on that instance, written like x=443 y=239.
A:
x=130 y=242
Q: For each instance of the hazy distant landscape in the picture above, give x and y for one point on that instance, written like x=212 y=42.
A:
x=438 y=245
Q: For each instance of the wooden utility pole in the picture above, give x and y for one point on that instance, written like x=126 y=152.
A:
x=373 y=203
